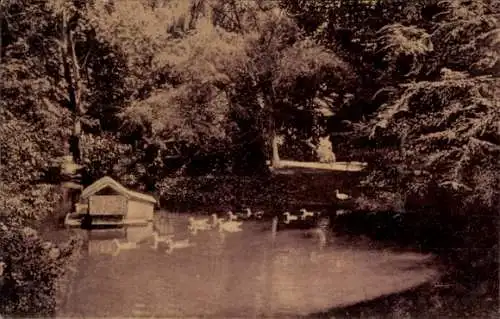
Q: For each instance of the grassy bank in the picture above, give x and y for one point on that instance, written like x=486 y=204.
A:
x=268 y=192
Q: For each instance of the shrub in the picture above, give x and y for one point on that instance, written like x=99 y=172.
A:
x=31 y=268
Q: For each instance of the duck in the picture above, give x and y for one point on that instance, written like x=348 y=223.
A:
x=230 y=226
x=198 y=224
x=179 y=244
x=123 y=246
x=289 y=217
x=341 y=196
x=340 y=212
x=258 y=214
x=305 y=213
x=159 y=239
x=247 y=214
x=231 y=216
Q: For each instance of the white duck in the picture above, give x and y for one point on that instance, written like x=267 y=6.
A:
x=246 y=214
x=259 y=214
x=159 y=239
x=123 y=246
x=198 y=224
x=179 y=244
x=340 y=212
x=305 y=213
x=231 y=216
x=230 y=226
x=341 y=196
x=289 y=217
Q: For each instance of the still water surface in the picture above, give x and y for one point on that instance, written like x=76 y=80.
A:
x=234 y=275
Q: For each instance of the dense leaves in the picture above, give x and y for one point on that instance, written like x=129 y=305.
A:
x=30 y=269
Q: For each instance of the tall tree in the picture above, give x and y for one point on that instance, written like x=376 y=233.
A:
x=241 y=57
x=447 y=128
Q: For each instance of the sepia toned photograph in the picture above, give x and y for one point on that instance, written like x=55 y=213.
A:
x=249 y=159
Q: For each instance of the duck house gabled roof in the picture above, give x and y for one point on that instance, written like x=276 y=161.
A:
x=117 y=187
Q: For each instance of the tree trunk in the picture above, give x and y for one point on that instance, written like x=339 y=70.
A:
x=72 y=78
x=275 y=158
x=70 y=193
x=266 y=105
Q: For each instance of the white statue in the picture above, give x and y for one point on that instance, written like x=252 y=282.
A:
x=324 y=150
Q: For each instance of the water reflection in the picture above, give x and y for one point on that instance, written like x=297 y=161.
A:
x=251 y=273
x=114 y=241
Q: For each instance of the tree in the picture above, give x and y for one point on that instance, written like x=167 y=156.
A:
x=239 y=57
x=447 y=129
x=279 y=68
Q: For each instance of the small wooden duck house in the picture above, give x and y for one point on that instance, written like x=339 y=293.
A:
x=109 y=203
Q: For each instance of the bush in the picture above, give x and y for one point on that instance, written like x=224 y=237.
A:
x=276 y=192
x=30 y=272
x=28 y=205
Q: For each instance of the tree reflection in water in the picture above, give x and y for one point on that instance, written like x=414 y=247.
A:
x=250 y=273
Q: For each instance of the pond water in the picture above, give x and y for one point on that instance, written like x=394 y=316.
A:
x=250 y=273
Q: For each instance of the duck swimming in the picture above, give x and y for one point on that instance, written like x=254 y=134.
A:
x=198 y=224
x=289 y=217
x=230 y=226
x=179 y=244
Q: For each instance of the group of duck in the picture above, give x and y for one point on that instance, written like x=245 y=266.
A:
x=168 y=240
x=231 y=224
x=304 y=216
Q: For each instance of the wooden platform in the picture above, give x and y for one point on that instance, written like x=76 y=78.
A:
x=293 y=167
x=76 y=222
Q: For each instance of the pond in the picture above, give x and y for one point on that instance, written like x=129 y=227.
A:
x=250 y=273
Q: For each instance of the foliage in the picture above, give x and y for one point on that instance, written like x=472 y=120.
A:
x=215 y=63
x=448 y=128
x=32 y=266
x=26 y=149
x=271 y=193
x=104 y=155
x=467 y=33
x=34 y=119
x=28 y=205
x=397 y=42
